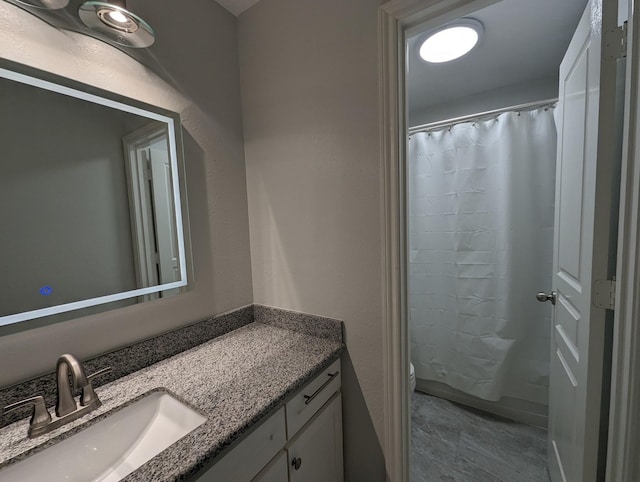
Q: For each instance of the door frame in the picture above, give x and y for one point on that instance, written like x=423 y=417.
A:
x=624 y=413
x=398 y=19
x=140 y=205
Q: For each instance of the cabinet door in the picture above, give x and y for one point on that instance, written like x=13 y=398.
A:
x=276 y=471
x=315 y=455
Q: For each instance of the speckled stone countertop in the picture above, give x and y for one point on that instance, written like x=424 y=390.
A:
x=235 y=380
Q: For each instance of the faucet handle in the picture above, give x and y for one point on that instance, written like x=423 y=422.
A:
x=40 y=416
x=89 y=396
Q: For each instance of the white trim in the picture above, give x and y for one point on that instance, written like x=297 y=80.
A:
x=624 y=419
x=177 y=199
x=78 y=94
x=396 y=442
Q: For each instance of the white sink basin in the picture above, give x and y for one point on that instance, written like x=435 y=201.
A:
x=114 y=447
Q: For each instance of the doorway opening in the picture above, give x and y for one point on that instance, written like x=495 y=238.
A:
x=399 y=19
x=481 y=201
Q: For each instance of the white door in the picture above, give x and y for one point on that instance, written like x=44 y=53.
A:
x=164 y=212
x=586 y=150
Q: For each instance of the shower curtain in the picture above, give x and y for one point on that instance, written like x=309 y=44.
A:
x=481 y=207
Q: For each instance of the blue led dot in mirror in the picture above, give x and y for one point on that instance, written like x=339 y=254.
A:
x=45 y=290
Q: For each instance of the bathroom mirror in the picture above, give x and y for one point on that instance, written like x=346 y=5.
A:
x=91 y=215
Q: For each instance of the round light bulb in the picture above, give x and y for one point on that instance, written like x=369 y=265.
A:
x=449 y=44
x=116 y=23
x=117 y=16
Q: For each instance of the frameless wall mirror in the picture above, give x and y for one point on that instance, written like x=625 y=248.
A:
x=92 y=215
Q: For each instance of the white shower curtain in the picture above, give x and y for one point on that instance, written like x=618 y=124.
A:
x=481 y=197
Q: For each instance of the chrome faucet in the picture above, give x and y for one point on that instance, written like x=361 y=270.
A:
x=65 y=403
x=66 y=407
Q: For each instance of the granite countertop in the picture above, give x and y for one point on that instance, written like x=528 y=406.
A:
x=235 y=380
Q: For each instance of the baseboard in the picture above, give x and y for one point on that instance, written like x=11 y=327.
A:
x=522 y=411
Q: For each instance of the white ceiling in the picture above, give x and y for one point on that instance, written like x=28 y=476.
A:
x=236 y=7
x=523 y=40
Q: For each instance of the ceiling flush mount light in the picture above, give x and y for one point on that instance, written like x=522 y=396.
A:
x=113 y=20
x=45 y=4
x=451 y=41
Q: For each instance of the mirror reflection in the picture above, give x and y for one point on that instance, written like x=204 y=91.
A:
x=90 y=200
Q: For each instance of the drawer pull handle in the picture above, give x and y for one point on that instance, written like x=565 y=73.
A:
x=308 y=398
x=296 y=463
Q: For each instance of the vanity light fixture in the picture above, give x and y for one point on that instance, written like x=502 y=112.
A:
x=44 y=4
x=451 y=41
x=113 y=20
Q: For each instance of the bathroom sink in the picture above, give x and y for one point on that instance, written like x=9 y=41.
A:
x=114 y=447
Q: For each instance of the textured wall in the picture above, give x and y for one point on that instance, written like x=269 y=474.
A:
x=309 y=97
x=197 y=58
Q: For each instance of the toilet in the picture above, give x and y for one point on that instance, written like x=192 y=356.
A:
x=412 y=377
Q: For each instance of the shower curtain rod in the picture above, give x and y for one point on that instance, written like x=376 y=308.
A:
x=457 y=120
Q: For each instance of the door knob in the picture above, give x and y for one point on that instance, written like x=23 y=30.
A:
x=296 y=463
x=542 y=297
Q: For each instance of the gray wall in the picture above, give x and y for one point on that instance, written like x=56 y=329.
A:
x=199 y=56
x=530 y=91
x=310 y=105
x=309 y=96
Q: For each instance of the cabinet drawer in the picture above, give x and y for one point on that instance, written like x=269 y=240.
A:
x=312 y=396
x=252 y=454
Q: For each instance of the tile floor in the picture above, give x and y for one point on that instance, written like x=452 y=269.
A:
x=451 y=442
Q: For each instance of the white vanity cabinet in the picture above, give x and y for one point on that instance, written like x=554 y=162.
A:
x=301 y=442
